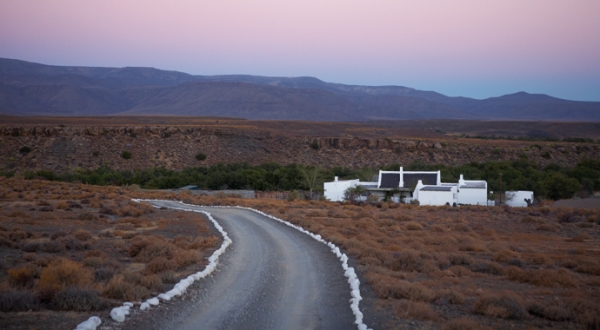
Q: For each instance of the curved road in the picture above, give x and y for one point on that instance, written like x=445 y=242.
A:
x=271 y=277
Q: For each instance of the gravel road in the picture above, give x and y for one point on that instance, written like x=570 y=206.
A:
x=271 y=277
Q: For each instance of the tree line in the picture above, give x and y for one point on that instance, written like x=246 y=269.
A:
x=552 y=181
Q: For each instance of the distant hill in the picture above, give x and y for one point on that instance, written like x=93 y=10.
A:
x=28 y=89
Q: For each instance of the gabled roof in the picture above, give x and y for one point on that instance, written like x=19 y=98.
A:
x=390 y=180
x=411 y=179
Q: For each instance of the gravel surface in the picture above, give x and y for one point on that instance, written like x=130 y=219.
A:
x=271 y=277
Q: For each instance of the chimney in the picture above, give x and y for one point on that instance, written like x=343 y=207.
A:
x=439 y=178
x=401 y=185
x=336 y=178
x=461 y=181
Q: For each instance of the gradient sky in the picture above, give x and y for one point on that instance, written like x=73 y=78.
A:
x=474 y=48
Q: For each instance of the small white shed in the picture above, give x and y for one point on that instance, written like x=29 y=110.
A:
x=334 y=191
x=517 y=198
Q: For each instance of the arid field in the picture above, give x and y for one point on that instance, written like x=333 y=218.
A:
x=70 y=251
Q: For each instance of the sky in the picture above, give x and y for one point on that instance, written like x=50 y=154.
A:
x=473 y=48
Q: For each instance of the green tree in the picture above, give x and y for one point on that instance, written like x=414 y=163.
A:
x=559 y=186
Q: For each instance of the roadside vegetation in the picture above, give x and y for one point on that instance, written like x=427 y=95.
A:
x=77 y=250
x=84 y=249
x=470 y=267
x=550 y=182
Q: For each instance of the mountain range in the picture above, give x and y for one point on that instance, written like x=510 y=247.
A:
x=32 y=89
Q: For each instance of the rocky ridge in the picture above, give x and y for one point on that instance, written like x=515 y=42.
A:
x=59 y=148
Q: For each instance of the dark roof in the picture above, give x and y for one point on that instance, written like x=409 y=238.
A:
x=390 y=180
x=190 y=187
x=410 y=180
x=436 y=188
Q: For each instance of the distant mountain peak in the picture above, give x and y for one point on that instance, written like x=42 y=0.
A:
x=28 y=88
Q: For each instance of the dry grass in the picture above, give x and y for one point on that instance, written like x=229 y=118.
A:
x=69 y=246
x=445 y=256
x=471 y=267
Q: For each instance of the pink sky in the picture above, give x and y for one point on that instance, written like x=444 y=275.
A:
x=476 y=48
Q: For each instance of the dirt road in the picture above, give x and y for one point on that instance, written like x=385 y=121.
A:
x=271 y=277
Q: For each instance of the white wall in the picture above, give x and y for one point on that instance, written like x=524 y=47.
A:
x=472 y=196
x=334 y=191
x=517 y=198
x=436 y=197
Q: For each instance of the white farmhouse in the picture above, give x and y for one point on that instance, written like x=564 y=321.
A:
x=424 y=186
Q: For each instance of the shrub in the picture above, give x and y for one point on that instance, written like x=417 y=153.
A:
x=460 y=259
x=137 y=292
x=23 y=276
x=103 y=274
x=7 y=243
x=79 y=300
x=116 y=288
x=25 y=150
x=152 y=282
x=62 y=205
x=487 y=268
x=160 y=264
x=30 y=247
x=200 y=156
x=185 y=258
x=169 y=277
x=63 y=273
x=137 y=245
x=416 y=310
x=461 y=227
x=408 y=261
x=87 y=216
x=453 y=297
x=17 y=235
x=554 y=312
x=93 y=262
x=71 y=243
x=542 y=277
x=52 y=247
x=94 y=253
x=154 y=250
x=388 y=287
x=464 y=323
x=126 y=155
x=548 y=227
x=18 y=301
x=82 y=235
x=505 y=256
x=293 y=195
x=506 y=306
x=529 y=219
x=553 y=278
x=204 y=243
x=57 y=235
x=411 y=225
